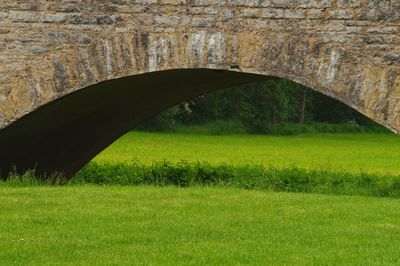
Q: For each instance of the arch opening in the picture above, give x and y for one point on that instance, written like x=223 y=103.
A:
x=67 y=133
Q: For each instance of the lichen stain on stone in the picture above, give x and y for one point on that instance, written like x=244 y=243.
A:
x=196 y=48
x=126 y=54
x=85 y=65
x=107 y=56
x=61 y=78
x=333 y=68
x=216 y=48
x=159 y=53
x=36 y=92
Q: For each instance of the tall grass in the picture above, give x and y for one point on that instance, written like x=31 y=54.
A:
x=257 y=177
x=290 y=179
x=29 y=178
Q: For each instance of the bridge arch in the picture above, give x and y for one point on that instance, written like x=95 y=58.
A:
x=59 y=60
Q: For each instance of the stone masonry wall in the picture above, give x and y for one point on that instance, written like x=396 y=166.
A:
x=348 y=49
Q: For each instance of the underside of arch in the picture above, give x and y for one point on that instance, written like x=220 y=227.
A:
x=67 y=133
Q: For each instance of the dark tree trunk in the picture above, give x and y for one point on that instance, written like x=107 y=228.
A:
x=302 y=105
x=273 y=117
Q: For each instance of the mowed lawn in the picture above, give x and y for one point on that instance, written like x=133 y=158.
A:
x=103 y=225
x=372 y=153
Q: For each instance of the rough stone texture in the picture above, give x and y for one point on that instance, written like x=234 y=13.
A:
x=347 y=49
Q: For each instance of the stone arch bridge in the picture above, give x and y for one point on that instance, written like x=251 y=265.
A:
x=76 y=74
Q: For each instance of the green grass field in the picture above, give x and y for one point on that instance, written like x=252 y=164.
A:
x=209 y=225
x=111 y=225
x=371 y=153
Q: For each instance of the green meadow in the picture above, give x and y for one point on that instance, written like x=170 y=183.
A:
x=370 y=153
x=195 y=199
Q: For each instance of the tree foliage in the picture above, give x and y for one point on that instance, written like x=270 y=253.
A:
x=259 y=105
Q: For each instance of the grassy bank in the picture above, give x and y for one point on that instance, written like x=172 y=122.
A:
x=79 y=225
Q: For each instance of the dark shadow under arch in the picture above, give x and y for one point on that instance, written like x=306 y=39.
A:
x=67 y=133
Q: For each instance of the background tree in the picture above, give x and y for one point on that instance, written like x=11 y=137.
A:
x=259 y=105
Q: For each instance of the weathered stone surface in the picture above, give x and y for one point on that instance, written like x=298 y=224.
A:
x=347 y=49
